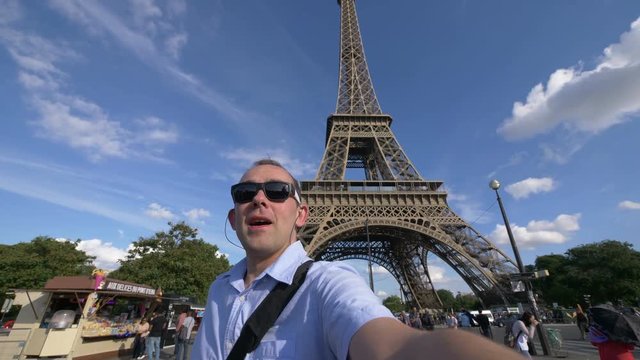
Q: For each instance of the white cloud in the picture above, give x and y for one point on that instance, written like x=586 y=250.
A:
x=35 y=82
x=195 y=215
x=176 y=7
x=437 y=274
x=145 y=14
x=174 y=44
x=377 y=269
x=539 y=232
x=89 y=131
x=467 y=209
x=106 y=254
x=244 y=158
x=98 y=19
x=629 y=205
x=514 y=159
x=153 y=130
x=11 y=11
x=83 y=201
x=71 y=119
x=157 y=211
x=560 y=153
x=522 y=189
x=382 y=294
x=583 y=101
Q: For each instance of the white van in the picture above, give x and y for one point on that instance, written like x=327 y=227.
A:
x=485 y=312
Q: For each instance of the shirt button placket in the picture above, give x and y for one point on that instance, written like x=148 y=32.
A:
x=234 y=326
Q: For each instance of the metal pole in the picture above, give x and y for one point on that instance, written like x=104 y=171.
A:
x=366 y=227
x=532 y=300
x=511 y=239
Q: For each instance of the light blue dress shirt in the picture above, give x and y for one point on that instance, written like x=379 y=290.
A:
x=318 y=323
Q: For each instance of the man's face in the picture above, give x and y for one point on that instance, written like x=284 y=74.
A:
x=266 y=228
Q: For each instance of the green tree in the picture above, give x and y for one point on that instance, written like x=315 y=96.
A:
x=177 y=260
x=447 y=298
x=554 y=288
x=468 y=301
x=608 y=271
x=394 y=303
x=28 y=265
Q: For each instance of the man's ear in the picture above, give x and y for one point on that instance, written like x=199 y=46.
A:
x=303 y=214
x=231 y=216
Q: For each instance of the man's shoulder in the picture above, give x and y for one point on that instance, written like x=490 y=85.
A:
x=332 y=266
x=322 y=272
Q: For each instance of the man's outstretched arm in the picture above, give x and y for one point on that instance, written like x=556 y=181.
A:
x=386 y=338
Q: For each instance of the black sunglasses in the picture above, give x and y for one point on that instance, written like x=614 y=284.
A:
x=277 y=191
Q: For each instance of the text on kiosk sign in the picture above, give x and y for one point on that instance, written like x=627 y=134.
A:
x=112 y=285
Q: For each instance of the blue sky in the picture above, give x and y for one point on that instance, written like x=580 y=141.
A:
x=117 y=117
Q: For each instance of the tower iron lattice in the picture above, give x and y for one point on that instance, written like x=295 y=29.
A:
x=408 y=216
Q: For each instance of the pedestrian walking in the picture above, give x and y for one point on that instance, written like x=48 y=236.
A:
x=183 y=337
x=142 y=331
x=524 y=331
x=582 y=321
x=451 y=321
x=157 y=325
x=485 y=324
x=414 y=319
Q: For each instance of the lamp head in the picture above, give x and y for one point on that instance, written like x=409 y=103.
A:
x=494 y=184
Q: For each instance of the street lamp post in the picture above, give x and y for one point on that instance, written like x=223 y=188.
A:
x=495 y=185
x=366 y=227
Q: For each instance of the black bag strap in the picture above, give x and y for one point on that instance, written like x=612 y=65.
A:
x=515 y=340
x=266 y=314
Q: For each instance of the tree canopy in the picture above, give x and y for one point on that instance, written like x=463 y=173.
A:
x=177 y=260
x=447 y=298
x=28 y=265
x=394 y=303
x=467 y=301
x=608 y=271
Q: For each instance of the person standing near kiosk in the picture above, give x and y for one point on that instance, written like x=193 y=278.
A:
x=155 y=333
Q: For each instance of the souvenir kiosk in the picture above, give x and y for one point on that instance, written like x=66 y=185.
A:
x=82 y=317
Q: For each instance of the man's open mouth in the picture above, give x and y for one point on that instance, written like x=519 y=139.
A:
x=259 y=222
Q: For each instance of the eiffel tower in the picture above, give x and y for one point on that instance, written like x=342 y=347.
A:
x=393 y=216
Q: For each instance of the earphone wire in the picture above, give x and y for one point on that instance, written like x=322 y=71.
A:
x=225 y=234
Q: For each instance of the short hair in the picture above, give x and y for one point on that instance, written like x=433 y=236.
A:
x=267 y=161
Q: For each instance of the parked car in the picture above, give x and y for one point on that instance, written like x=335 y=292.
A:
x=6 y=328
x=8 y=324
x=485 y=312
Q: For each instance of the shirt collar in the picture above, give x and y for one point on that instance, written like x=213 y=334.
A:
x=282 y=270
x=285 y=267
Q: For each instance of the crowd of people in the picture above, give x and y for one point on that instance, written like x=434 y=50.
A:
x=150 y=332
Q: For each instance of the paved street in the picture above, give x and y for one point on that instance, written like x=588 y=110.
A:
x=572 y=346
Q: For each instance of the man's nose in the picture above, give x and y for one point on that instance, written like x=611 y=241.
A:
x=260 y=198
